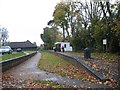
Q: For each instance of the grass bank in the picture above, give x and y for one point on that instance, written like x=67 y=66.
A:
x=29 y=51
x=10 y=56
x=54 y=64
x=105 y=56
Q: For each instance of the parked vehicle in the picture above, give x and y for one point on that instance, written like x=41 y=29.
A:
x=6 y=49
x=18 y=49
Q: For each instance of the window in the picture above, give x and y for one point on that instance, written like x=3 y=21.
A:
x=70 y=44
x=64 y=45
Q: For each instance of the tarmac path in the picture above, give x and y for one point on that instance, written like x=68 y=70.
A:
x=28 y=71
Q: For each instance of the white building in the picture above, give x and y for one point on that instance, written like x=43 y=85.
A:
x=66 y=45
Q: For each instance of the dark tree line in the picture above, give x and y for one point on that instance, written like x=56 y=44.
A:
x=87 y=24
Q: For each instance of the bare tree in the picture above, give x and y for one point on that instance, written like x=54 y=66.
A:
x=3 y=35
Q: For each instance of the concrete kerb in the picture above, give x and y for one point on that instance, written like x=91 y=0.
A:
x=7 y=64
x=80 y=63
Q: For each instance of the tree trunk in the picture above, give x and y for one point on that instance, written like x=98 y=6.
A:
x=102 y=7
x=63 y=32
x=68 y=33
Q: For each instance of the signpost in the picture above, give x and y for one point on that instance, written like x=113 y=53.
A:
x=105 y=45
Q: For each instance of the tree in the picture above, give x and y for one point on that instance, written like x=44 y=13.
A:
x=50 y=36
x=100 y=20
x=35 y=43
x=87 y=24
x=4 y=35
x=83 y=16
x=60 y=18
x=111 y=21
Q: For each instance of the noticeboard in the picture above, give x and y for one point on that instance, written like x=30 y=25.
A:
x=104 y=41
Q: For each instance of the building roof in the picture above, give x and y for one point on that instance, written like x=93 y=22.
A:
x=62 y=42
x=26 y=44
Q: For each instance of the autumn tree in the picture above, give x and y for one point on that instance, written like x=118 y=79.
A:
x=50 y=36
x=60 y=18
x=110 y=17
x=99 y=21
x=87 y=24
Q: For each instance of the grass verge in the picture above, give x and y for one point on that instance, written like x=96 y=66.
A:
x=29 y=51
x=105 y=56
x=9 y=56
x=54 y=64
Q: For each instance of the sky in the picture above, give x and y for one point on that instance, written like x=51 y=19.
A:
x=25 y=19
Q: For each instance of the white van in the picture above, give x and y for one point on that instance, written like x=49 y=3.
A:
x=66 y=46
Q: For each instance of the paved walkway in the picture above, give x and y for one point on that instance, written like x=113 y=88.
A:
x=29 y=71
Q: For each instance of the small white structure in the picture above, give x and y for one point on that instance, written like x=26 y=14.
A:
x=66 y=45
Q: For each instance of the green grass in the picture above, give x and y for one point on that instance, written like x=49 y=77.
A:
x=106 y=56
x=9 y=56
x=29 y=52
x=55 y=64
x=49 y=62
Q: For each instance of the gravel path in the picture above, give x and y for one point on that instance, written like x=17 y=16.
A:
x=17 y=76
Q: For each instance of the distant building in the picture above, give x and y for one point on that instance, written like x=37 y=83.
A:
x=27 y=45
x=66 y=45
x=42 y=46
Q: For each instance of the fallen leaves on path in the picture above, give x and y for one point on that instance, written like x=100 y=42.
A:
x=31 y=84
x=107 y=67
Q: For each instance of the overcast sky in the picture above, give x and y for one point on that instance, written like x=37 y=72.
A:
x=25 y=19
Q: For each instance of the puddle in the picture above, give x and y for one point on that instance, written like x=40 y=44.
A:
x=37 y=72
x=52 y=79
